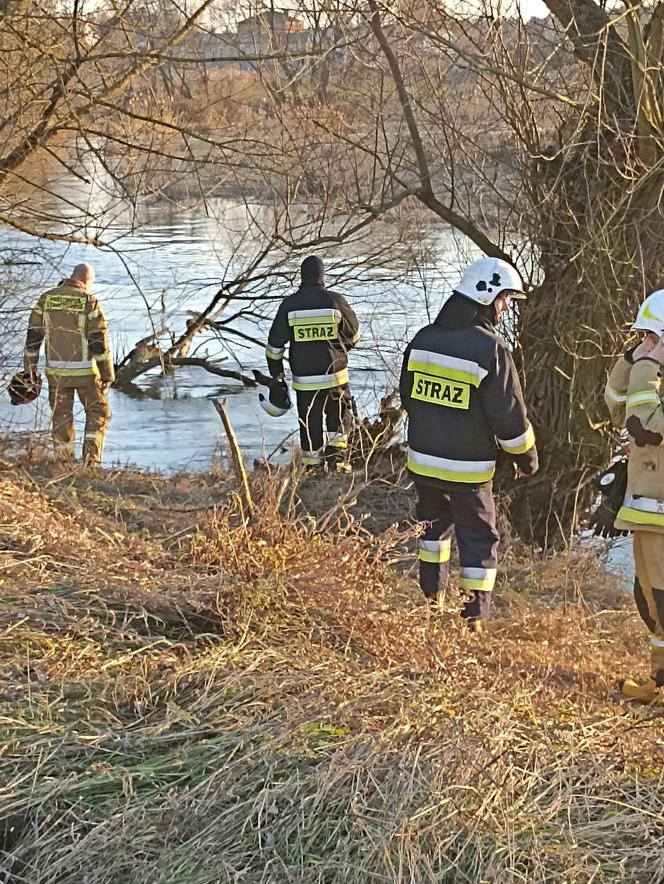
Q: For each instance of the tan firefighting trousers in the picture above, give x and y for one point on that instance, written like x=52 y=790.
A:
x=94 y=400
x=649 y=593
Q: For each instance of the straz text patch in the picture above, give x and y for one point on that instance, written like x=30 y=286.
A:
x=440 y=391
x=64 y=302
x=327 y=330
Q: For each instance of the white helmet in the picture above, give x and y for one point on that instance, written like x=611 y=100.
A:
x=273 y=395
x=651 y=314
x=485 y=279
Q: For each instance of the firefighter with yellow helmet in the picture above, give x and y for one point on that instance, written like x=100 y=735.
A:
x=70 y=322
x=632 y=395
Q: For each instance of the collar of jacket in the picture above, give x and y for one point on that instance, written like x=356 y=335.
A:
x=72 y=283
x=459 y=313
x=310 y=288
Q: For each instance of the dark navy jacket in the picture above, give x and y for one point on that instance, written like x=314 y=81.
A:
x=319 y=328
x=462 y=394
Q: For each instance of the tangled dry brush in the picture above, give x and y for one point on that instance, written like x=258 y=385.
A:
x=187 y=699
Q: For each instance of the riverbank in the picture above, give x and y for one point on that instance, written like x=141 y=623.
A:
x=187 y=699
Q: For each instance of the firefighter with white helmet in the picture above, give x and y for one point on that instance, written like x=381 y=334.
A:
x=462 y=394
x=632 y=395
x=70 y=321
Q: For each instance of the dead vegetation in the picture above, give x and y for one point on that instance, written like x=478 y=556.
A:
x=187 y=699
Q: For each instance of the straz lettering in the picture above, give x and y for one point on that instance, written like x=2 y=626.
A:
x=72 y=303
x=324 y=331
x=440 y=391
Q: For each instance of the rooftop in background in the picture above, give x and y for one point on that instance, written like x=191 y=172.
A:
x=271 y=20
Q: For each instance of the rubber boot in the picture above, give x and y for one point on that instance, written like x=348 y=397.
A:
x=641 y=691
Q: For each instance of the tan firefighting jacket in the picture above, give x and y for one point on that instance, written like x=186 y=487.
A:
x=71 y=322
x=632 y=395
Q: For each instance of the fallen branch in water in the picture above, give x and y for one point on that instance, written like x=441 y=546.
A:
x=127 y=374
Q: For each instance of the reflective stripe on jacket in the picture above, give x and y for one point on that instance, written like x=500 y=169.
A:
x=632 y=395
x=319 y=328
x=71 y=323
x=463 y=398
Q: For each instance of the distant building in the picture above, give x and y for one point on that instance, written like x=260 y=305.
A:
x=269 y=23
x=271 y=31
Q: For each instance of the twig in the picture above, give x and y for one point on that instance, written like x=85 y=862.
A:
x=236 y=457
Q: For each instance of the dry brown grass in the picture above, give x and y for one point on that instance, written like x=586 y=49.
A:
x=186 y=699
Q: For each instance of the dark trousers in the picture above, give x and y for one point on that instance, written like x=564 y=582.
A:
x=471 y=515
x=334 y=407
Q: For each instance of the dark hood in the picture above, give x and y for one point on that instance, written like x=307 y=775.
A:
x=312 y=270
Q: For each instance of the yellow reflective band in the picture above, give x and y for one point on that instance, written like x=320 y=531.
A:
x=309 y=460
x=477 y=584
x=274 y=353
x=70 y=303
x=443 y=371
x=322 y=314
x=337 y=440
x=520 y=444
x=321 y=382
x=645 y=397
x=614 y=395
x=103 y=358
x=435 y=551
x=467 y=472
x=439 y=391
x=639 y=517
x=478 y=579
x=72 y=372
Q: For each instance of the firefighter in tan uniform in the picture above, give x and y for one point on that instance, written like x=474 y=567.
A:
x=632 y=395
x=69 y=320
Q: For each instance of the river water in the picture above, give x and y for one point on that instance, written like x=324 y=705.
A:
x=170 y=260
x=165 y=261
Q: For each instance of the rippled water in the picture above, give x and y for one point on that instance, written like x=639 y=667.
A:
x=174 y=261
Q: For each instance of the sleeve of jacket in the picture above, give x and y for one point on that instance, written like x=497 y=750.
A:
x=406 y=382
x=505 y=410
x=349 y=329
x=615 y=392
x=645 y=415
x=35 y=336
x=277 y=341
x=99 y=345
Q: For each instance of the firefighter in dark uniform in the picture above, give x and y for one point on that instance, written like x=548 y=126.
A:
x=319 y=328
x=462 y=394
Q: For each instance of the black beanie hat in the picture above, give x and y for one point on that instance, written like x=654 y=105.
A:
x=312 y=270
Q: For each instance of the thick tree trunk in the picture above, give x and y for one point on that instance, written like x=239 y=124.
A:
x=572 y=329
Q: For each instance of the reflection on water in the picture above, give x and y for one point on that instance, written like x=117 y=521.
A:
x=172 y=264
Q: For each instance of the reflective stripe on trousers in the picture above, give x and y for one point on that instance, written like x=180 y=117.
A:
x=94 y=400
x=471 y=516
x=316 y=407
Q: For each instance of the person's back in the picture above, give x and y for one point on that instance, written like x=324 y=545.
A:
x=463 y=398
x=70 y=322
x=319 y=328
x=467 y=371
